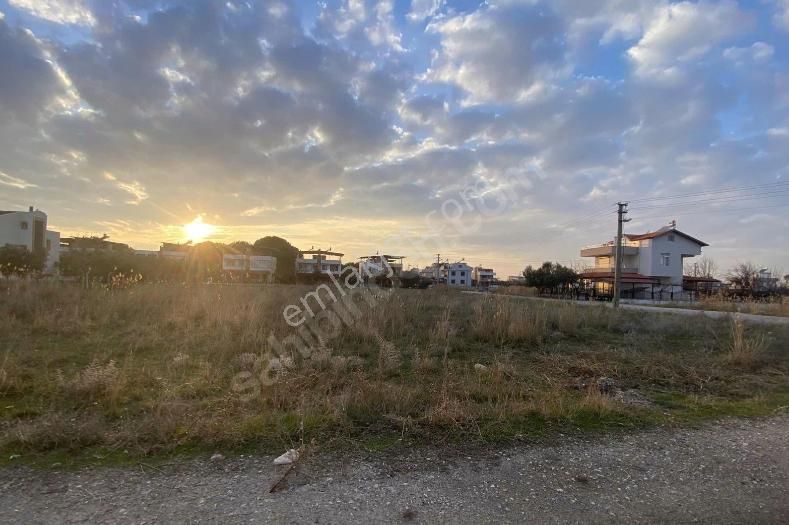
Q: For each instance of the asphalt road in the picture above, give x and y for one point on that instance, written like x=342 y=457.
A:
x=732 y=472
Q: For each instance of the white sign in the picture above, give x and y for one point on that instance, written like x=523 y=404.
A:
x=233 y=262
x=262 y=263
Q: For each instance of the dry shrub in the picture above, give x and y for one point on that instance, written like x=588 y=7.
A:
x=502 y=320
x=596 y=401
x=55 y=431
x=92 y=382
x=517 y=290
x=744 y=349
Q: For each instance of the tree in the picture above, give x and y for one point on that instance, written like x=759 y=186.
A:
x=239 y=247
x=20 y=261
x=744 y=277
x=704 y=267
x=285 y=253
x=551 y=277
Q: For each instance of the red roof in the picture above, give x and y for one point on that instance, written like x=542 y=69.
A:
x=662 y=231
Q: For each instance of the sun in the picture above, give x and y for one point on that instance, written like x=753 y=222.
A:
x=197 y=230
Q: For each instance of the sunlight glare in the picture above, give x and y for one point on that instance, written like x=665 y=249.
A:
x=197 y=230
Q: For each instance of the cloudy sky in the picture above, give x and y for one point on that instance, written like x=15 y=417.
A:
x=500 y=132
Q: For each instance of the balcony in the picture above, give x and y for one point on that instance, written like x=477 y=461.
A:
x=607 y=270
x=608 y=249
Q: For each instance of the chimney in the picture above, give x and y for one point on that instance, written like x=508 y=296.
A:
x=30 y=209
x=673 y=224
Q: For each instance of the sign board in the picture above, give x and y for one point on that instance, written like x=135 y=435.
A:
x=262 y=263
x=233 y=262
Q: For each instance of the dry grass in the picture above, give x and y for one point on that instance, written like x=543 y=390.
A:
x=151 y=368
x=778 y=306
x=745 y=349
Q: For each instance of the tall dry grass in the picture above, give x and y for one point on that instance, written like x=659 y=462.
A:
x=151 y=367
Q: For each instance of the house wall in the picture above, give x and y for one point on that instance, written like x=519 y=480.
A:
x=52 y=244
x=11 y=231
x=651 y=260
x=462 y=275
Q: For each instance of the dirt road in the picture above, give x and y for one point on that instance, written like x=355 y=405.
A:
x=732 y=472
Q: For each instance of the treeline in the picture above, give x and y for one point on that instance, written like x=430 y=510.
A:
x=551 y=278
x=121 y=266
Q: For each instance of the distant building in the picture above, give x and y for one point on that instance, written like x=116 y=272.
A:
x=457 y=274
x=483 y=277
x=28 y=229
x=381 y=265
x=652 y=264
x=91 y=244
x=249 y=263
x=765 y=282
x=319 y=262
x=174 y=250
x=147 y=253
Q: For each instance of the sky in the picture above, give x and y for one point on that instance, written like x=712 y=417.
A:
x=501 y=133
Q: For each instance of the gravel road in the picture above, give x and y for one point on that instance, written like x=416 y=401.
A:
x=731 y=472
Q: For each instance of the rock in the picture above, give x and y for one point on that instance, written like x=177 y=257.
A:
x=606 y=385
x=480 y=368
x=632 y=397
x=582 y=478
x=291 y=456
x=217 y=457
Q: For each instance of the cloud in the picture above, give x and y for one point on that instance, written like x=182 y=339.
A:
x=29 y=81
x=58 y=11
x=781 y=17
x=422 y=9
x=351 y=126
x=684 y=32
x=136 y=190
x=14 y=182
x=757 y=52
x=500 y=52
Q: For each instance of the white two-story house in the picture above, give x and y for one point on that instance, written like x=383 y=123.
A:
x=28 y=229
x=317 y=262
x=652 y=263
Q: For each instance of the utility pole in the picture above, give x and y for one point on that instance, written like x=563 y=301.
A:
x=621 y=212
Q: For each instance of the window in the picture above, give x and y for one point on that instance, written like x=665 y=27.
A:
x=23 y=225
x=452 y=281
x=665 y=259
x=462 y=274
x=453 y=273
x=462 y=281
x=671 y=237
x=49 y=245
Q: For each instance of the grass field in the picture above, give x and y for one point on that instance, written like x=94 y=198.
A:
x=115 y=375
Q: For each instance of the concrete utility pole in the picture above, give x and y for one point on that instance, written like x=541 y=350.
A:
x=618 y=251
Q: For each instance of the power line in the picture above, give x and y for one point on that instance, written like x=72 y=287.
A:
x=725 y=199
x=721 y=211
x=778 y=184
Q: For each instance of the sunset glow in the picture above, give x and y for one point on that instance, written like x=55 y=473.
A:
x=197 y=230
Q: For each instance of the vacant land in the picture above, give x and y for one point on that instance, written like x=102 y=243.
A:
x=115 y=375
